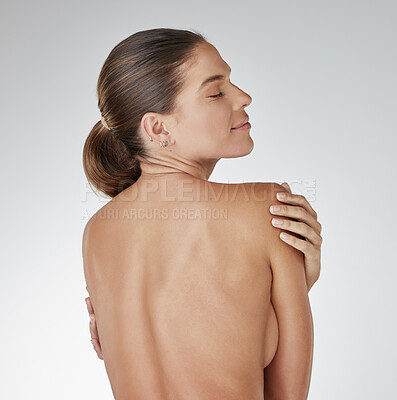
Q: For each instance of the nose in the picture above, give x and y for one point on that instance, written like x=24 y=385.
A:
x=248 y=100
x=243 y=100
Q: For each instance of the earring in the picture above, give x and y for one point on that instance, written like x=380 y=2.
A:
x=162 y=144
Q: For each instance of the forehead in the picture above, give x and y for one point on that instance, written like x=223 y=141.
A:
x=207 y=62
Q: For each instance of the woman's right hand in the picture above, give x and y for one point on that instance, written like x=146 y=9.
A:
x=93 y=329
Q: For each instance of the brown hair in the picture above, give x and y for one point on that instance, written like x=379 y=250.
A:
x=143 y=73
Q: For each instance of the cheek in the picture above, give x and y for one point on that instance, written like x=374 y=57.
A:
x=206 y=120
x=217 y=116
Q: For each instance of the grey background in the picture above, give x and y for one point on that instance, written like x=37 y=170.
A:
x=322 y=76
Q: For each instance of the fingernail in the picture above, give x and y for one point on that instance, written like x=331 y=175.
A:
x=277 y=221
x=284 y=236
x=280 y=195
x=275 y=208
x=92 y=318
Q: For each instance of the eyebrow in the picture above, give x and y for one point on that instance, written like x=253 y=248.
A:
x=212 y=79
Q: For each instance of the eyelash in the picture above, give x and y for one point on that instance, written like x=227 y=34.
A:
x=220 y=94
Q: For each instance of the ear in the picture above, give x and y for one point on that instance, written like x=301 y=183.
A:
x=152 y=125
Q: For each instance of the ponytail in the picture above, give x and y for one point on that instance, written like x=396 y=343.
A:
x=107 y=163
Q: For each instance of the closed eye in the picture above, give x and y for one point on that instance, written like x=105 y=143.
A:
x=220 y=94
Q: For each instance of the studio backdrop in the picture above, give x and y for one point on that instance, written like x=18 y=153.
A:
x=322 y=77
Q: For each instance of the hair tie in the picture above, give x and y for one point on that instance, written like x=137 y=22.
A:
x=104 y=123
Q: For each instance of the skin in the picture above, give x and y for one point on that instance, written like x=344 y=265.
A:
x=201 y=115
x=296 y=207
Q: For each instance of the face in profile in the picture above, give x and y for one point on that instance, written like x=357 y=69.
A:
x=200 y=129
x=206 y=113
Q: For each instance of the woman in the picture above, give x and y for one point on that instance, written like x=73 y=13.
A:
x=195 y=295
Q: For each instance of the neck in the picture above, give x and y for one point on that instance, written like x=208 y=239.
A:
x=161 y=167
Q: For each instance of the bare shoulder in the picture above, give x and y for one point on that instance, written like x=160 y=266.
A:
x=259 y=196
x=90 y=233
x=251 y=192
x=100 y=244
x=94 y=226
x=265 y=191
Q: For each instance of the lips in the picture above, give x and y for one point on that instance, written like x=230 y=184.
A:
x=242 y=123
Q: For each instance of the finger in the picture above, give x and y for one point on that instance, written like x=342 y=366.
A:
x=95 y=337
x=299 y=228
x=298 y=200
x=93 y=328
x=303 y=245
x=97 y=348
x=299 y=213
x=285 y=184
x=89 y=305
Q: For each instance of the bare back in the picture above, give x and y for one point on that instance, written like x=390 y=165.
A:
x=181 y=292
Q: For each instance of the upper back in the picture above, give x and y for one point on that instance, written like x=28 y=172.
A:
x=187 y=283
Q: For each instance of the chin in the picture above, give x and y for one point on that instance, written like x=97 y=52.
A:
x=249 y=147
x=242 y=150
x=252 y=148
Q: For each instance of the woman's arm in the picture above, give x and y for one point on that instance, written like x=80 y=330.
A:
x=103 y=249
x=302 y=220
x=288 y=376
